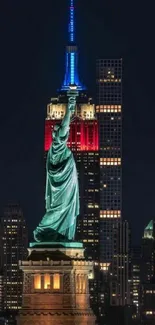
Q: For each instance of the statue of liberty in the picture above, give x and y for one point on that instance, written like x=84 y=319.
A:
x=62 y=192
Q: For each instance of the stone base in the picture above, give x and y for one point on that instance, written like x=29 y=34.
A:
x=57 y=318
x=70 y=249
x=56 y=244
x=67 y=303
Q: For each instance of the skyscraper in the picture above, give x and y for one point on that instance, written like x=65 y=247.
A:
x=83 y=142
x=109 y=115
x=148 y=242
x=136 y=261
x=14 y=248
x=120 y=285
x=148 y=303
x=148 y=274
x=109 y=111
x=1 y=292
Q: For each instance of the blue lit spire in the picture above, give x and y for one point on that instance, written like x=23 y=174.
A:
x=71 y=26
x=71 y=74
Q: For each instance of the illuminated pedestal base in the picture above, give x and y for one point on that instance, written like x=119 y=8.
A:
x=56 y=290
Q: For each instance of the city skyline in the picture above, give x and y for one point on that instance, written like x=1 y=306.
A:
x=25 y=102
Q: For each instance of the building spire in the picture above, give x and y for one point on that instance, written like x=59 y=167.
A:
x=71 y=26
x=71 y=71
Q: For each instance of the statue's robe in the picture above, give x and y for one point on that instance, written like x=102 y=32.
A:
x=62 y=193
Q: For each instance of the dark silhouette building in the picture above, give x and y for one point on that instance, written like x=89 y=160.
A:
x=14 y=248
x=135 y=289
x=121 y=275
x=147 y=267
x=109 y=112
x=148 y=275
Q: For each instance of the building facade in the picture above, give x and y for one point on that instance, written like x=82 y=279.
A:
x=56 y=289
x=136 y=261
x=14 y=243
x=109 y=112
x=121 y=266
x=109 y=115
x=148 y=303
x=1 y=293
x=148 y=243
x=147 y=275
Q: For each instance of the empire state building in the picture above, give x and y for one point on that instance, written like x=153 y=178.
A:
x=83 y=142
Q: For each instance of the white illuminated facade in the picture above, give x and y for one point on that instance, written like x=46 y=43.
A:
x=56 y=110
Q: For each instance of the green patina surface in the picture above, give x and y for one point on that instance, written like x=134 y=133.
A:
x=149 y=226
x=62 y=191
x=56 y=244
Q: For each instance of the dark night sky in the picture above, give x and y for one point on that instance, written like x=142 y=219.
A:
x=32 y=45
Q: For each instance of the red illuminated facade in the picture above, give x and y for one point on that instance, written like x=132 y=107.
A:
x=83 y=135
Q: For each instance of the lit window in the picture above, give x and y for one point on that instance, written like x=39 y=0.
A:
x=104 y=266
x=110 y=161
x=56 y=281
x=149 y=312
x=108 y=108
x=37 y=281
x=110 y=214
x=46 y=281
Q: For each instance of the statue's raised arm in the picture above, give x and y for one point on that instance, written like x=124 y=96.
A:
x=64 y=127
x=61 y=131
x=62 y=192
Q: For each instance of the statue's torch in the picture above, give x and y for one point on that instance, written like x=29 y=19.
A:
x=72 y=94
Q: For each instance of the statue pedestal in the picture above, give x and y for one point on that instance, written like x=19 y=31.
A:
x=55 y=289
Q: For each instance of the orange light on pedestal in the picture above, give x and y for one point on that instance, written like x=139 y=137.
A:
x=37 y=281
x=80 y=283
x=84 y=284
x=46 y=281
x=56 y=281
